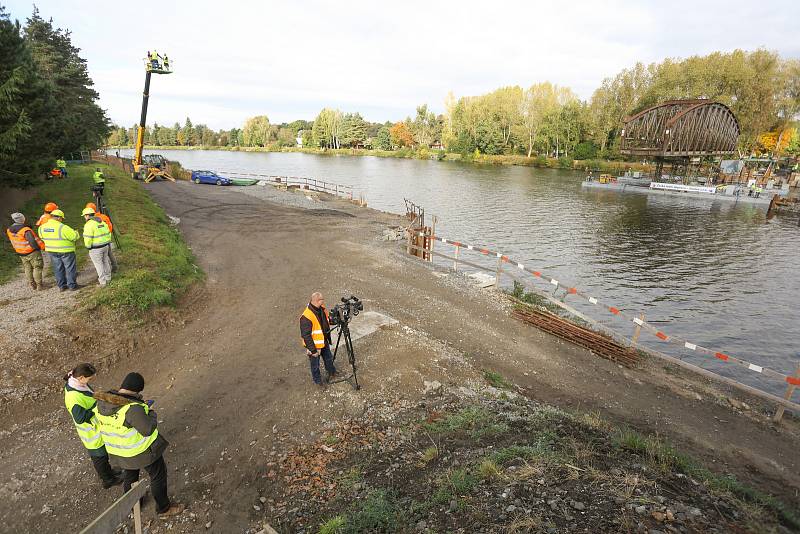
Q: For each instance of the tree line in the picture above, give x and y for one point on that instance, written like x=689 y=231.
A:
x=545 y=119
x=48 y=105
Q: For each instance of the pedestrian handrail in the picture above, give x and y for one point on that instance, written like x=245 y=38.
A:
x=300 y=181
x=118 y=512
x=792 y=381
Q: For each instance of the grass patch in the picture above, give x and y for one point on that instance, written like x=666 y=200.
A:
x=429 y=454
x=457 y=483
x=477 y=421
x=376 y=513
x=663 y=456
x=335 y=525
x=71 y=194
x=497 y=380
x=489 y=470
x=156 y=266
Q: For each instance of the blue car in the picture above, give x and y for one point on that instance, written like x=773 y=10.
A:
x=209 y=177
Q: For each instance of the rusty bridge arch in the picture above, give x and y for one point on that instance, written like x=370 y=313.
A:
x=681 y=129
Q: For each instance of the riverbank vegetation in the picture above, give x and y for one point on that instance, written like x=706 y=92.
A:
x=538 y=125
x=48 y=105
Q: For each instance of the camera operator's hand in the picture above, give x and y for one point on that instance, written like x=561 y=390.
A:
x=309 y=353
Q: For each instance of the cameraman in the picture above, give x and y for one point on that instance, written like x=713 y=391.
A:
x=315 y=332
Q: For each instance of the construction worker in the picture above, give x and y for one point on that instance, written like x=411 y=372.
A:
x=62 y=166
x=129 y=428
x=315 y=333
x=99 y=179
x=29 y=248
x=107 y=220
x=59 y=243
x=79 y=398
x=97 y=238
x=166 y=62
x=48 y=208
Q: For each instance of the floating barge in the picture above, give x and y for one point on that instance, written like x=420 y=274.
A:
x=726 y=193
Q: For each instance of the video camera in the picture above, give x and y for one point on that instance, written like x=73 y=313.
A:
x=340 y=316
x=98 y=188
x=342 y=313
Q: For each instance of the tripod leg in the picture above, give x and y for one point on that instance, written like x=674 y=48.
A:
x=352 y=357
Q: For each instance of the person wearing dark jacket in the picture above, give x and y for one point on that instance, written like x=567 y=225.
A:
x=129 y=428
x=79 y=399
x=315 y=331
x=29 y=248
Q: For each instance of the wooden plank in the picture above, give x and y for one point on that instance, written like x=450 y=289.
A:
x=118 y=512
x=787 y=396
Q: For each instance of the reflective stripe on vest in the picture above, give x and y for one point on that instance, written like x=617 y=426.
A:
x=96 y=233
x=119 y=439
x=316 y=329
x=52 y=233
x=88 y=432
x=20 y=242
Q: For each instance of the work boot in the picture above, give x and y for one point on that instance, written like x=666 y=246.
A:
x=62 y=289
x=174 y=509
x=116 y=481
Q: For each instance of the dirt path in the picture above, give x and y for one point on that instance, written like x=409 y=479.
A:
x=232 y=387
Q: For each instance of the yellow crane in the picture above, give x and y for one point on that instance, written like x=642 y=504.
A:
x=152 y=166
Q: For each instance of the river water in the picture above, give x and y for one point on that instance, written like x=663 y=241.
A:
x=719 y=275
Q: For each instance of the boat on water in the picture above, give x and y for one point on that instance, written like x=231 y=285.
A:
x=725 y=192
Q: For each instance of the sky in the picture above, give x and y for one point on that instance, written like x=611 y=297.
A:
x=288 y=60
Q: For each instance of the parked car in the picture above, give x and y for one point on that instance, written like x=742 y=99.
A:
x=209 y=177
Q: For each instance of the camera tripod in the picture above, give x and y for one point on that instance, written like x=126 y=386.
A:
x=344 y=332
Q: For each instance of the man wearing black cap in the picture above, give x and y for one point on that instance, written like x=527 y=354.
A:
x=130 y=432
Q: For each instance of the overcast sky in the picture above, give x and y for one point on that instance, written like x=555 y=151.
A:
x=289 y=59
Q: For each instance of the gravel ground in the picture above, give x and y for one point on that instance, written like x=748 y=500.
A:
x=292 y=197
x=28 y=317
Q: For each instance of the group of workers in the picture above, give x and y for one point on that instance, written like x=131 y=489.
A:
x=59 y=241
x=156 y=62
x=120 y=432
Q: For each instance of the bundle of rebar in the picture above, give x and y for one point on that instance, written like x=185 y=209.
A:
x=597 y=343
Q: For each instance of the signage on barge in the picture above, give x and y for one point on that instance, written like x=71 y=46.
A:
x=683 y=188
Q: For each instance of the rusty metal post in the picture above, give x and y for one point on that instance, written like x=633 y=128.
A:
x=433 y=238
x=787 y=396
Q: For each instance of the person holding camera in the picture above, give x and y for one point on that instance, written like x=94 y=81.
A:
x=315 y=333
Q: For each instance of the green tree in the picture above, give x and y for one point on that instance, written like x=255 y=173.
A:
x=383 y=139
x=80 y=122
x=327 y=128
x=28 y=130
x=187 y=135
x=424 y=126
x=256 y=131
x=354 y=130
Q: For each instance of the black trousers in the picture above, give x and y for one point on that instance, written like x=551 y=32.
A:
x=157 y=471
x=103 y=469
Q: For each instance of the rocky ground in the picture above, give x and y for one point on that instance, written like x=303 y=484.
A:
x=253 y=443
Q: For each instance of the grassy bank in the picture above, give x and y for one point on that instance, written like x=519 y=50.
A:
x=71 y=195
x=155 y=265
x=496 y=461
x=609 y=166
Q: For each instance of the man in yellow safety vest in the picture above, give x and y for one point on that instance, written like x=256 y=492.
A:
x=59 y=243
x=129 y=428
x=97 y=238
x=315 y=334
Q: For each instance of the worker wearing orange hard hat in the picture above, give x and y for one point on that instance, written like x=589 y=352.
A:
x=106 y=219
x=48 y=209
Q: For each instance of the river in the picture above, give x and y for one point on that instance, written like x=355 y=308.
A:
x=719 y=275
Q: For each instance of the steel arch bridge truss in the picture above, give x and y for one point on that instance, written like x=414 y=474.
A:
x=681 y=129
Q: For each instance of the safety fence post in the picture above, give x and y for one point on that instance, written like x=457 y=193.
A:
x=455 y=259
x=787 y=396
x=498 y=271
x=637 y=331
x=433 y=239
